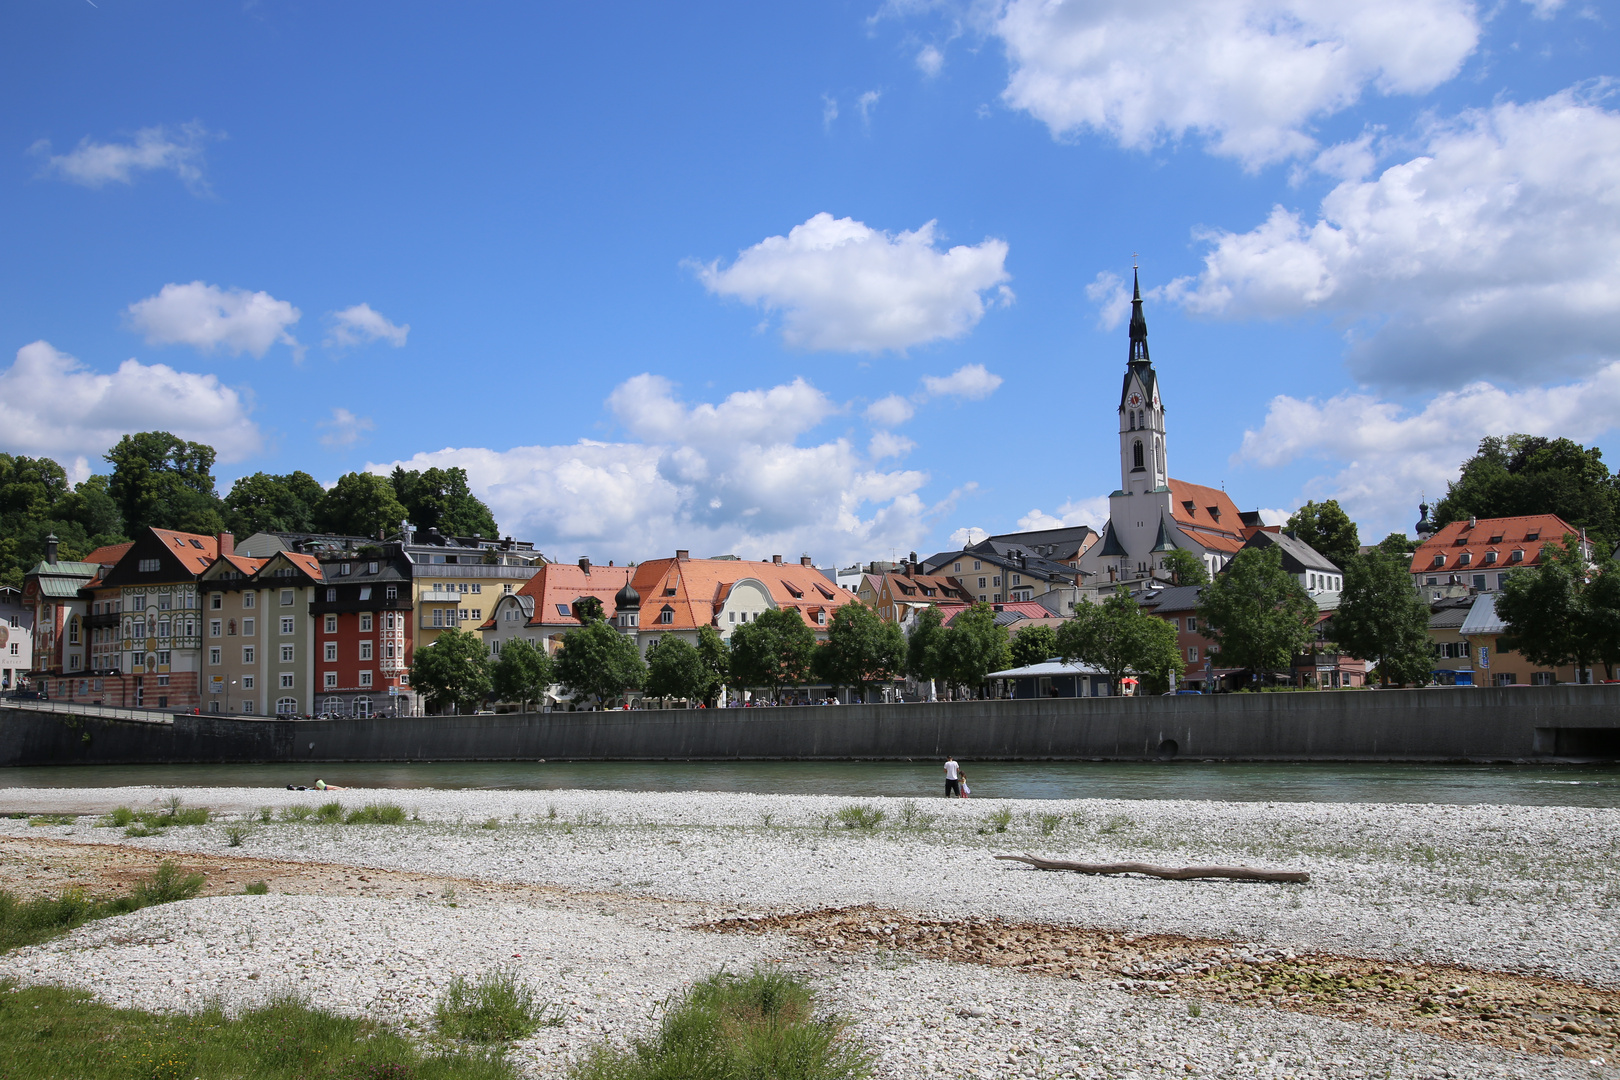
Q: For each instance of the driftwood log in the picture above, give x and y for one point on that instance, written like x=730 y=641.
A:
x=1174 y=873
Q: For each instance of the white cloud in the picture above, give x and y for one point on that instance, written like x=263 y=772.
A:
x=829 y=111
x=723 y=477
x=209 y=317
x=1112 y=298
x=866 y=103
x=886 y=444
x=1249 y=75
x=1092 y=511
x=844 y=287
x=891 y=411
x=155 y=149
x=930 y=60
x=52 y=404
x=970 y=381
x=344 y=429
x=359 y=325
x=966 y=537
x=1495 y=253
x=1385 y=457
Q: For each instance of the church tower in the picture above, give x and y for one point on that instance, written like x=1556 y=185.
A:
x=1142 y=467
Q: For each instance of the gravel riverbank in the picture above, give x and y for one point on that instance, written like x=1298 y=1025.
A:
x=1519 y=889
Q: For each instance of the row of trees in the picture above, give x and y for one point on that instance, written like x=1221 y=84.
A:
x=158 y=479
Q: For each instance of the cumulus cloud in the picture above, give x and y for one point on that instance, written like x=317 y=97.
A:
x=891 y=411
x=1382 y=457
x=842 y=286
x=966 y=537
x=730 y=476
x=930 y=60
x=886 y=444
x=208 y=317
x=829 y=111
x=1496 y=252
x=360 y=325
x=1248 y=75
x=52 y=404
x=866 y=103
x=155 y=149
x=970 y=381
x=344 y=429
x=1092 y=511
x=1112 y=298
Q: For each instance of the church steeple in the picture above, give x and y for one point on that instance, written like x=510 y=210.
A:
x=1139 y=349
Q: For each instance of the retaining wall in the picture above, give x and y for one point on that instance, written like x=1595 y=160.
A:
x=1479 y=724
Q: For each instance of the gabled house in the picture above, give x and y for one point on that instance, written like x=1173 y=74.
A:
x=542 y=611
x=1479 y=553
x=996 y=573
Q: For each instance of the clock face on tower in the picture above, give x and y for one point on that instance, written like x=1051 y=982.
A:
x=1135 y=400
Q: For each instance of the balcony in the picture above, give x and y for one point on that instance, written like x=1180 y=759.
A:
x=442 y=596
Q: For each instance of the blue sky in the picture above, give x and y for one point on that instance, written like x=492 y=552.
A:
x=836 y=278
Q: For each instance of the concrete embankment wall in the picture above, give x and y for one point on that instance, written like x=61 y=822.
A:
x=1482 y=724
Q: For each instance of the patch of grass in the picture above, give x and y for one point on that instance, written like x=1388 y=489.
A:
x=29 y=922
x=256 y=888
x=236 y=832
x=329 y=813
x=121 y=817
x=377 y=813
x=491 y=823
x=1050 y=823
x=497 y=1008
x=761 y=1025
x=860 y=816
x=41 y=820
x=265 y=814
x=1195 y=1010
x=295 y=813
x=48 y=1032
x=153 y=822
x=998 y=821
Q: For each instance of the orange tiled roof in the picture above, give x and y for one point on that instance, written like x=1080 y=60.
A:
x=697 y=589
x=247 y=565
x=309 y=564
x=945 y=587
x=195 y=551
x=1503 y=536
x=109 y=555
x=558 y=585
x=1207 y=515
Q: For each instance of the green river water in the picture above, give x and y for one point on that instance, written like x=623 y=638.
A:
x=1534 y=785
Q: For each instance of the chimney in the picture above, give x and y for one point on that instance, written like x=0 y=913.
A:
x=227 y=544
x=804 y=560
x=585 y=563
x=1471 y=521
x=50 y=548
x=776 y=559
x=910 y=568
x=913 y=558
x=682 y=554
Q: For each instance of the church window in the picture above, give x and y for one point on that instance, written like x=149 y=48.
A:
x=1136 y=453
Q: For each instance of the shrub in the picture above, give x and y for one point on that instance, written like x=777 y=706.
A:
x=28 y=922
x=761 y=1025
x=1050 y=823
x=375 y=814
x=166 y=885
x=119 y=818
x=1000 y=819
x=265 y=814
x=860 y=816
x=236 y=832
x=295 y=813
x=498 y=1008
x=329 y=813
x=256 y=888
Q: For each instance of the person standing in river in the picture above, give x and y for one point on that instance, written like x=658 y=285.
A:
x=952 y=772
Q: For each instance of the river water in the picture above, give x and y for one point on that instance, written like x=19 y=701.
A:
x=1535 y=785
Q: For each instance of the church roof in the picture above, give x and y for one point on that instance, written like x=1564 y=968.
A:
x=1111 y=547
x=1137 y=362
x=1163 y=543
x=1207 y=515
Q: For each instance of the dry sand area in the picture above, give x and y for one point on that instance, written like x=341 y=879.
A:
x=1431 y=941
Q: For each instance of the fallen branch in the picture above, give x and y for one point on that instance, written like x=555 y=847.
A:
x=1174 y=873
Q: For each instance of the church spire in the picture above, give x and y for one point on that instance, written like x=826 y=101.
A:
x=1139 y=349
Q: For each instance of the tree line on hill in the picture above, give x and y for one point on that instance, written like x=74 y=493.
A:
x=158 y=479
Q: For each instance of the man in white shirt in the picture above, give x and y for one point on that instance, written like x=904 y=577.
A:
x=952 y=772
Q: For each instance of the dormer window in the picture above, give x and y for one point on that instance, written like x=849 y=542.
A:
x=1517 y=556
x=1439 y=558
x=1490 y=558
x=1214 y=512
x=667 y=615
x=1466 y=558
x=1192 y=510
x=1497 y=539
x=1528 y=537
x=1461 y=541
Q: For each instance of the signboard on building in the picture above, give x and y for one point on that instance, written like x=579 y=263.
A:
x=216 y=684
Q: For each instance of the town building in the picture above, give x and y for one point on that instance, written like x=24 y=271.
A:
x=1478 y=554
x=993 y=572
x=66 y=637
x=361 y=618
x=542 y=611
x=899 y=596
x=1064 y=544
x=1314 y=571
x=1151 y=513
x=16 y=639
x=1489 y=664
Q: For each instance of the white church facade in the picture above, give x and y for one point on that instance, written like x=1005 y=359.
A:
x=1151 y=512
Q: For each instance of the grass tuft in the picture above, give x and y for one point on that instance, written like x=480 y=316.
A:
x=860 y=816
x=1050 y=823
x=266 y=814
x=1000 y=819
x=236 y=832
x=491 y=823
x=121 y=817
x=256 y=888
x=761 y=1025
x=498 y=1008
x=167 y=885
x=29 y=922
x=375 y=814
x=295 y=813
x=329 y=813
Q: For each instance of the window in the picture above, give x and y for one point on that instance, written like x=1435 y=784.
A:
x=956 y=566
x=213 y=656
x=365 y=650
x=247 y=627
x=148 y=566
x=332 y=706
x=981 y=585
x=391 y=592
x=73 y=631
x=562 y=609
x=215 y=601
x=1136 y=455
x=667 y=615
x=331 y=680
x=331 y=624
x=821 y=618
x=506 y=588
x=215 y=626
x=1504 y=678
x=733 y=618
x=365 y=678
x=331 y=652
x=365 y=592
x=976 y=565
x=286 y=624
x=247 y=706
x=388 y=620
x=163 y=661
x=343 y=569
x=1479 y=581
x=1439 y=558
x=477 y=588
x=463 y=586
x=286 y=654
x=1531 y=536
x=287 y=681
x=247 y=682
x=477 y=614
x=247 y=599
x=365 y=622
x=1465 y=558
x=1542 y=678
x=362 y=707
x=286 y=597
x=438 y=616
x=1490 y=558
x=1192 y=654
x=371 y=568
x=247 y=654
x=1517 y=556
x=388 y=649
x=163 y=601
x=996 y=580
x=331 y=596
x=1431 y=581
x=286 y=706
x=1017 y=579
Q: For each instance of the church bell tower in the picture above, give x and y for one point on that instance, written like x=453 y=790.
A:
x=1142 y=467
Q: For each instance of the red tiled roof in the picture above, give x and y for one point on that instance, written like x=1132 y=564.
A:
x=558 y=585
x=109 y=555
x=195 y=551
x=1503 y=536
x=307 y=563
x=945 y=587
x=1207 y=515
x=702 y=585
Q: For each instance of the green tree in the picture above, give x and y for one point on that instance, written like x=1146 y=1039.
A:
x=861 y=649
x=1117 y=638
x=36 y=502
x=164 y=481
x=925 y=646
x=676 y=670
x=1184 y=567
x=1399 y=545
x=453 y=671
x=596 y=661
x=973 y=646
x=1563 y=611
x=1258 y=615
x=1033 y=645
x=265 y=502
x=360 y=504
x=1328 y=529
x=774 y=650
x=1383 y=619
x=522 y=673
x=1527 y=474
x=715 y=656
x=442 y=499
